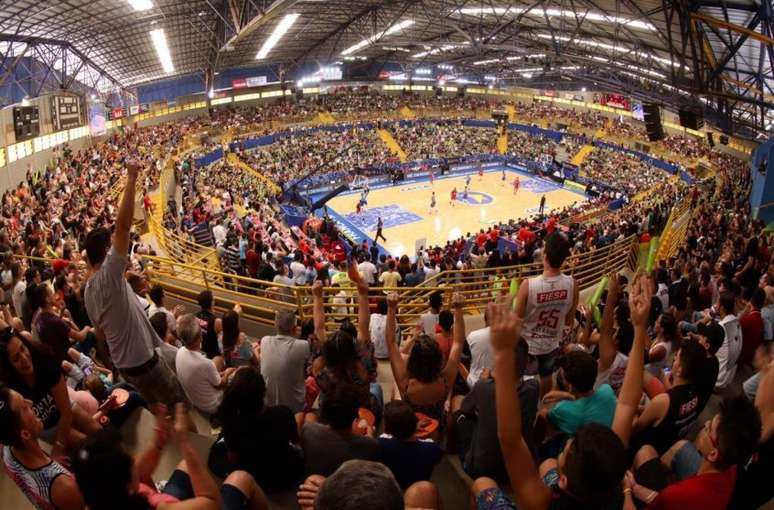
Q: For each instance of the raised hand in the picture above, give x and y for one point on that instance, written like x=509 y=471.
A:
x=392 y=300
x=133 y=168
x=639 y=300
x=504 y=326
x=317 y=289
x=458 y=300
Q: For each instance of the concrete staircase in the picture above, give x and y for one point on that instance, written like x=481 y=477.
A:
x=395 y=148
x=581 y=155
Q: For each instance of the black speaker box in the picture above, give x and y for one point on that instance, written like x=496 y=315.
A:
x=691 y=120
x=653 y=125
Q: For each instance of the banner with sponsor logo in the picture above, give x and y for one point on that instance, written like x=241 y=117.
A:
x=117 y=113
x=549 y=93
x=134 y=109
x=255 y=81
x=239 y=83
x=615 y=101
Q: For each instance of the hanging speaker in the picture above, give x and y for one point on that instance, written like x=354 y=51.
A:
x=690 y=119
x=710 y=139
x=653 y=126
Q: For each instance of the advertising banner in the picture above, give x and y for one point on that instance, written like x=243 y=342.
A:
x=96 y=119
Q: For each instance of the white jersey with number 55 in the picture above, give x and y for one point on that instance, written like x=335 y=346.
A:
x=548 y=303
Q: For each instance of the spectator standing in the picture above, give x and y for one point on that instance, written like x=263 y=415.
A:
x=117 y=315
x=283 y=359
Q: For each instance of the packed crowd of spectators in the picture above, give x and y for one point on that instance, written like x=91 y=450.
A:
x=621 y=171
x=665 y=401
x=437 y=140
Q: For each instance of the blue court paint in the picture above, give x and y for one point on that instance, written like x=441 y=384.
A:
x=392 y=215
x=474 y=198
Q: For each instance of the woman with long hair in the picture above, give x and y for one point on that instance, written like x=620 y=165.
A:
x=48 y=325
x=424 y=381
x=33 y=371
x=238 y=350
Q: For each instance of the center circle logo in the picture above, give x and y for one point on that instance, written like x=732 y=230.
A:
x=474 y=198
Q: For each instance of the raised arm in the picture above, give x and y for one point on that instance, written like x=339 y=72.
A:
x=607 y=349
x=318 y=311
x=529 y=491
x=764 y=401
x=450 y=370
x=146 y=461
x=397 y=363
x=363 y=310
x=631 y=390
x=126 y=210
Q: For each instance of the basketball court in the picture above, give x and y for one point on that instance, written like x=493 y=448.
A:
x=408 y=219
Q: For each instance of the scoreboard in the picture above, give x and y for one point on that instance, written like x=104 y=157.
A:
x=26 y=122
x=66 y=112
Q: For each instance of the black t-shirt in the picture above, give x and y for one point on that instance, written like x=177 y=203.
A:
x=410 y=461
x=209 y=337
x=265 y=447
x=47 y=376
x=706 y=381
x=753 y=487
x=484 y=456
x=682 y=412
x=326 y=449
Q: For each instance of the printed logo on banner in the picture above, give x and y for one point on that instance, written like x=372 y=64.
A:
x=392 y=215
x=415 y=187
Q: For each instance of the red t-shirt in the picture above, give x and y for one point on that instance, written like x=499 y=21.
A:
x=752 y=335
x=710 y=491
x=551 y=224
x=494 y=234
x=481 y=239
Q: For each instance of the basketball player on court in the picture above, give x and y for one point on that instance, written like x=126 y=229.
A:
x=516 y=184
x=430 y=174
x=502 y=179
x=379 y=226
x=432 y=203
x=467 y=181
x=480 y=171
x=453 y=196
x=547 y=304
x=542 y=204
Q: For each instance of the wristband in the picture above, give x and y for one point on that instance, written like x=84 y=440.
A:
x=627 y=491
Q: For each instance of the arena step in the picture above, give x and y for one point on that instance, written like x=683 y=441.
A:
x=234 y=160
x=388 y=139
x=324 y=118
x=502 y=142
x=581 y=155
x=407 y=113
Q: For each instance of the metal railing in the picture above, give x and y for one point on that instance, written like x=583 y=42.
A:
x=675 y=231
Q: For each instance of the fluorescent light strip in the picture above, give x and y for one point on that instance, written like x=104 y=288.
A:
x=159 y=39
x=370 y=40
x=436 y=51
x=554 y=13
x=141 y=5
x=279 y=31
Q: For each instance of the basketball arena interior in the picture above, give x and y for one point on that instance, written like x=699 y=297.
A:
x=386 y=254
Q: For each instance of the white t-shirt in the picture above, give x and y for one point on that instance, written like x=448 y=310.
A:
x=429 y=320
x=376 y=328
x=368 y=270
x=663 y=295
x=614 y=375
x=299 y=272
x=19 y=296
x=199 y=379
x=480 y=354
x=729 y=352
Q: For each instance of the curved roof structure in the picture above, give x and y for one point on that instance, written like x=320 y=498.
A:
x=672 y=51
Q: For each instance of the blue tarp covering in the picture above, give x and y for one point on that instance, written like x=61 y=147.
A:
x=209 y=158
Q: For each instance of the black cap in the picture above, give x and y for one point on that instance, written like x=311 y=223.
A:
x=714 y=333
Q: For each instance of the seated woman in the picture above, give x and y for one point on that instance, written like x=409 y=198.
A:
x=422 y=379
x=33 y=371
x=238 y=350
x=50 y=328
x=189 y=487
x=262 y=440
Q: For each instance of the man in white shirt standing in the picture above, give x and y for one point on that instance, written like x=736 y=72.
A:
x=367 y=269
x=547 y=304
x=298 y=269
x=729 y=352
x=429 y=319
x=198 y=375
x=480 y=352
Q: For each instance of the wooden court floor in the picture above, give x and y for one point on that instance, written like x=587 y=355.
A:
x=409 y=220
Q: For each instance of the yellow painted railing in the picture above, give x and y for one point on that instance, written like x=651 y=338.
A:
x=581 y=155
x=675 y=230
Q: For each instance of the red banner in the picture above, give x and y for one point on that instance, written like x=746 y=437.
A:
x=239 y=83
x=118 y=113
x=549 y=93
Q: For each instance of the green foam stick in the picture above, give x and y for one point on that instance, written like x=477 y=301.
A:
x=514 y=290
x=594 y=300
x=652 y=255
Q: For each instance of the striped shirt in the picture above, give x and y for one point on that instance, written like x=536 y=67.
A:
x=34 y=483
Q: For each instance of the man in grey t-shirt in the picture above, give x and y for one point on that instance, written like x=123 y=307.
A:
x=283 y=358
x=114 y=310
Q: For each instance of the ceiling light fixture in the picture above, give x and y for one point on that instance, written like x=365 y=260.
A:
x=279 y=31
x=370 y=40
x=141 y=5
x=159 y=39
